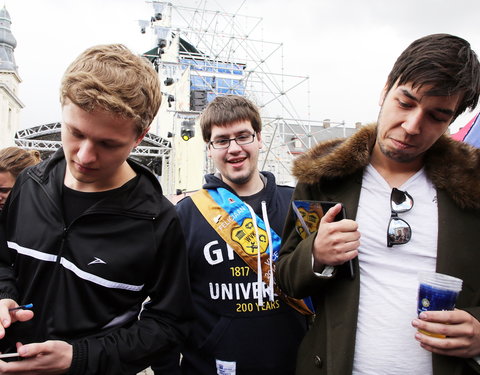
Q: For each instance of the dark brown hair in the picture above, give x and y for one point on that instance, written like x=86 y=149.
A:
x=227 y=110
x=446 y=63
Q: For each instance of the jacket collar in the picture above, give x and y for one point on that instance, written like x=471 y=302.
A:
x=143 y=198
x=213 y=181
x=42 y=170
x=451 y=165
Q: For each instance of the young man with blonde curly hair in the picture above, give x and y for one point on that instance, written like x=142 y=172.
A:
x=87 y=236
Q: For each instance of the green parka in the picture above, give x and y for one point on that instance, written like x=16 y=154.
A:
x=332 y=171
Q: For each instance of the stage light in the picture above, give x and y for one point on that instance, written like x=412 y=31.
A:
x=187 y=134
x=143 y=26
x=168 y=81
x=187 y=130
x=158 y=10
x=170 y=99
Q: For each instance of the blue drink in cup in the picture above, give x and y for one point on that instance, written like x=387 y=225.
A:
x=437 y=292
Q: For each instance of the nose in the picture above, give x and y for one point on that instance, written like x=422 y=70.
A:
x=86 y=153
x=234 y=147
x=412 y=124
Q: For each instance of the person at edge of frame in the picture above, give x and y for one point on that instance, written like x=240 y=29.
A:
x=13 y=160
x=369 y=325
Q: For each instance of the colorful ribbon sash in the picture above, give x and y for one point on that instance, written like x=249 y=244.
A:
x=231 y=219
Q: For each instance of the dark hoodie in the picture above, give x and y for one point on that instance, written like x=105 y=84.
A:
x=230 y=325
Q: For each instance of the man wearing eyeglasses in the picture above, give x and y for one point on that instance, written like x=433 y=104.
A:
x=411 y=196
x=243 y=326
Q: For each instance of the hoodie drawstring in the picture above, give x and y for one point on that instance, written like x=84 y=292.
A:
x=259 y=259
x=270 y=248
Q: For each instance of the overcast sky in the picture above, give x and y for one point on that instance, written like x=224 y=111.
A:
x=346 y=47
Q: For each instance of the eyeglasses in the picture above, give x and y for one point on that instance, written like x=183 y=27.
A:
x=5 y=190
x=222 y=144
x=399 y=231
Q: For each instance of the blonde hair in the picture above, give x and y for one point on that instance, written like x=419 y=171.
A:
x=113 y=78
x=16 y=159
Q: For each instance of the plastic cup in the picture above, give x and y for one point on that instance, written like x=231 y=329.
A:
x=437 y=292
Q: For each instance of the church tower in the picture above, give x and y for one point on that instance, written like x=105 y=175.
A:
x=10 y=104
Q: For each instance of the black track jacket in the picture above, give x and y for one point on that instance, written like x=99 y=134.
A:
x=88 y=280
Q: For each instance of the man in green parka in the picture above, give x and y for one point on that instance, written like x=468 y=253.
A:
x=412 y=200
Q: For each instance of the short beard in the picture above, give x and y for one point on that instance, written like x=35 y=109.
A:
x=397 y=156
x=393 y=155
x=239 y=180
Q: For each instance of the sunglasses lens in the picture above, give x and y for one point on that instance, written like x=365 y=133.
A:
x=399 y=232
x=401 y=201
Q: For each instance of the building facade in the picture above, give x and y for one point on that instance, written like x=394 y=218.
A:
x=10 y=104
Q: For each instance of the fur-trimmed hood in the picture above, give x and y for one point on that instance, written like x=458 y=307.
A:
x=451 y=165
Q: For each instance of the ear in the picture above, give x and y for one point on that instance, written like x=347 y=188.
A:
x=209 y=150
x=259 y=139
x=141 y=136
x=383 y=95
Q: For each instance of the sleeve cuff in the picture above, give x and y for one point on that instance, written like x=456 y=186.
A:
x=79 y=359
x=327 y=271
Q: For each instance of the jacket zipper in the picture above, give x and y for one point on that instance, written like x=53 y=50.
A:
x=48 y=293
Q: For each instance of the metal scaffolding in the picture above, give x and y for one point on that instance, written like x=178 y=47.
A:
x=200 y=54
x=153 y=151
x=224 y=53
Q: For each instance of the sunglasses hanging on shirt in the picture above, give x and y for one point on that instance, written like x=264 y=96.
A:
x=399 y=231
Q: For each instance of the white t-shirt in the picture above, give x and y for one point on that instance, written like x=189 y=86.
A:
x=385 y=342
